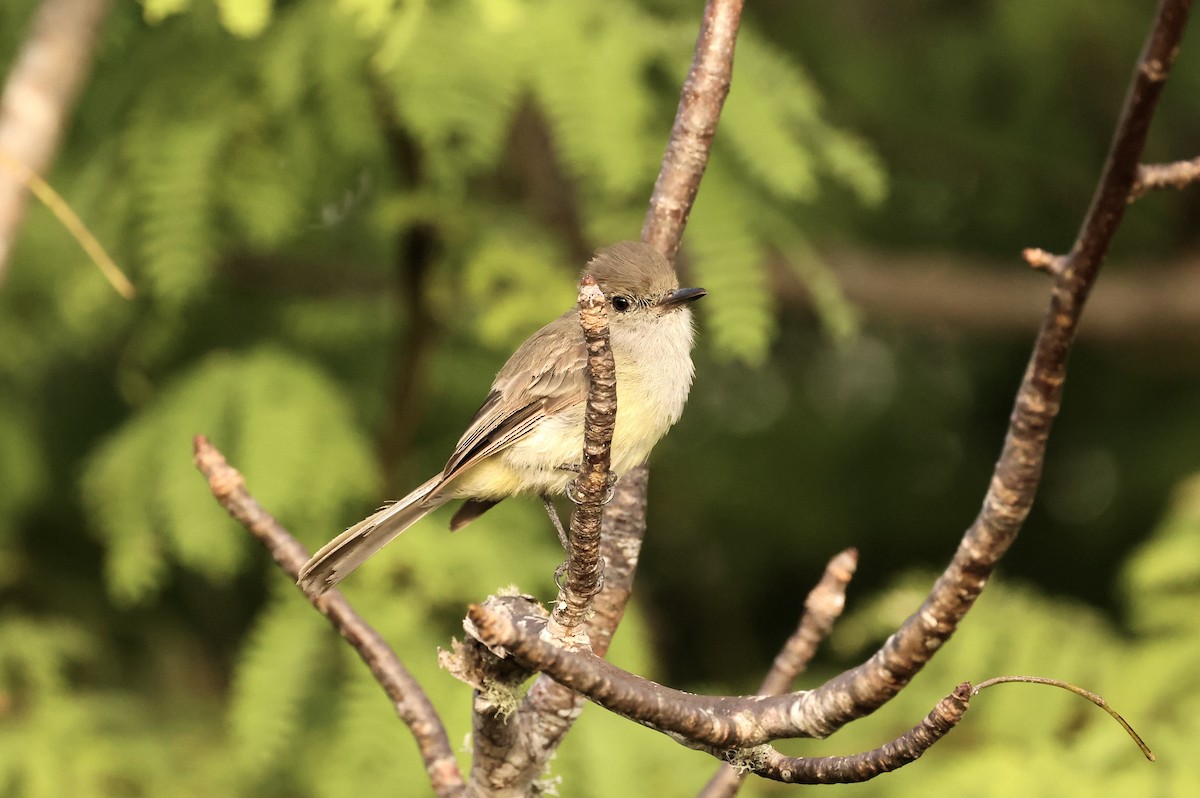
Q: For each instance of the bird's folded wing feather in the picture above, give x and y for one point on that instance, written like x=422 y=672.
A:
x=544 y=376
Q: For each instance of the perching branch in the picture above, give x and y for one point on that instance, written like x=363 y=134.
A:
x=502 y=752
x=823 y=606
x=38 y=97
x=585 y=569
x=549 y=709
x=410 y=701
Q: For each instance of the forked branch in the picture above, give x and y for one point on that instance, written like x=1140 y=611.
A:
x=549 y=709
x=747 y=721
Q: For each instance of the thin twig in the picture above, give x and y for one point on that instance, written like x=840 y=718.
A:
x=1089 y=695
x=38 y=96
x=822 y=607
x=585 y=569
x=1044 y=261
x=1179 y=174
x=410 y=701
x=67 y=217
x=765 y=761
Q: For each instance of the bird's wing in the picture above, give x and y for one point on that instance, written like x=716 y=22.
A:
x=544 y=376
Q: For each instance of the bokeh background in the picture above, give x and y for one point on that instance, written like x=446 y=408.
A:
x=341 y=217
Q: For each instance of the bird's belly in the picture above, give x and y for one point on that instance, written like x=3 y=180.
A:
x=545 y=460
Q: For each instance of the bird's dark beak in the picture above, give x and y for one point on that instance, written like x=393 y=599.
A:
x=681 y=296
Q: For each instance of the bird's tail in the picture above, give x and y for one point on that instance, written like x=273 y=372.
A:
x=347 y=551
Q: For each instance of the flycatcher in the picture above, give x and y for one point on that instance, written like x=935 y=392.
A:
x=528 y=435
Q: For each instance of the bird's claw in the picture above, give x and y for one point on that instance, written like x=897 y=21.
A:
x=610 y=490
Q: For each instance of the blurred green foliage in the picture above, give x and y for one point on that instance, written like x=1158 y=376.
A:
x=341 y=216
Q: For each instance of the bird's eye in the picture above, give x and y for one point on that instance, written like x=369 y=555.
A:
x=621 y=303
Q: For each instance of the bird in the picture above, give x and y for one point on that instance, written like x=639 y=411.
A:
x=527 y=437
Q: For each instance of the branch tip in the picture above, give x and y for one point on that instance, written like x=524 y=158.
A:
x=1178 y=174
x=1044 y=261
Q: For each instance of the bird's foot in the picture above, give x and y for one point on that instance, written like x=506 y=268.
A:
x=609 y=491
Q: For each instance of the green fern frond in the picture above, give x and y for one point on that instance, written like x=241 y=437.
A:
x=773 y=120
x=35 y=654
x=587 y=67
x=1162 y=580
x=514 y=273
x=340 y=76
x=782 y=232
x=728 y=261
x=297 y=439
x=156 y=11
x=174 y=165
x=273 y=676
x=852 y=162
x=277 y=418
x=458 y=112
x=373 y=16
x=767 y=103
x=359 y=755
x=264 y=201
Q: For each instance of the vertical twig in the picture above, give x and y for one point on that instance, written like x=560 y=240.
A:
x=549 y=710
x=585 y=569
x=700 y=105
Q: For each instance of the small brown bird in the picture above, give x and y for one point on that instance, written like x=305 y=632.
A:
x=528 y=435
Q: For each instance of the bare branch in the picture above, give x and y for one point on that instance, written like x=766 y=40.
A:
x=700 y=105
x=715 y=721
x=744 y=721
x=506 y=748
x=38 y=96
x=410 y=701
x=1179 y=174
x=585 y=569
x=549 y=709
x=1014 y=482
x=769 y=763
x=823 y=606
